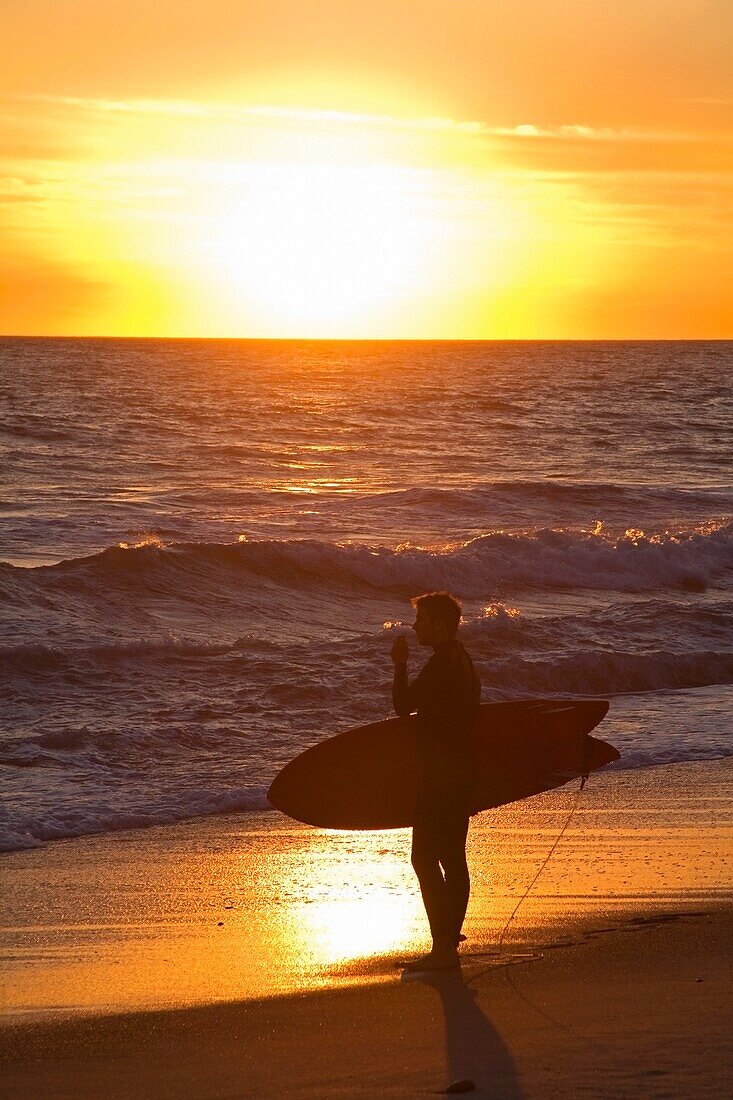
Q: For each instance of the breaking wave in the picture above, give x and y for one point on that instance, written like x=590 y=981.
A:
x=546 y=559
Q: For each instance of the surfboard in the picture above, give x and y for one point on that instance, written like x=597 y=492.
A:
x=365 y=778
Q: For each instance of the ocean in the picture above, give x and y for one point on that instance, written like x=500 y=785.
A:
x=207 y=548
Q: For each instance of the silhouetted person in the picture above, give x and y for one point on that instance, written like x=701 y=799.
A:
x=446 y=696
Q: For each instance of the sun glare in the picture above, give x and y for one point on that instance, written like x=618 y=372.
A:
x=316 y=249
x=293 y=223
x=244 y=219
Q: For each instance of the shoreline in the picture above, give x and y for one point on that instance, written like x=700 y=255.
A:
x=213 y=959
x=638 y=1010
x=227 y=908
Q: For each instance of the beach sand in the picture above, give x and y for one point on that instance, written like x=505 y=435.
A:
x=220 y=958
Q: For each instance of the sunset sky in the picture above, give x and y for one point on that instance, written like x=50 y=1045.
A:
x=367 y=168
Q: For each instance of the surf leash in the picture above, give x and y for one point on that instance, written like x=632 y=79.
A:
x=547 y=859
x=527 y=892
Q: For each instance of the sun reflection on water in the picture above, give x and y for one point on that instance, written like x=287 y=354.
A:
x=316 y=485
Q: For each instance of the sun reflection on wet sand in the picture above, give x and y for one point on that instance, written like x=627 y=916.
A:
x=239 y=907
x=335 y=932
x=341 y=900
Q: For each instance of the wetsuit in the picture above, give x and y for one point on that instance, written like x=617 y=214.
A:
x=446 y=695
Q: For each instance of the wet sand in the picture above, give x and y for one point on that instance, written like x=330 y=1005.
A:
x=220 y=959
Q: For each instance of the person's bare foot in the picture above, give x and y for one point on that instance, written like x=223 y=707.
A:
x=440 y=958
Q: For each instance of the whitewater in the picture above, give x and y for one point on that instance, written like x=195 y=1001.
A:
x=207 y=547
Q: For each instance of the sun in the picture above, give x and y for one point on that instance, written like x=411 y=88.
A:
x=317 y=249
x=303 y=223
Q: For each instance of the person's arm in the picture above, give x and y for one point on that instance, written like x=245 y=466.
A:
x=404 y=695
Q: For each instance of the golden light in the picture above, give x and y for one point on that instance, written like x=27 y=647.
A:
x=351 y=900
x=275 y=173
x=197 y=218
x=217 y=220
x=315 y=249
x=337 y=931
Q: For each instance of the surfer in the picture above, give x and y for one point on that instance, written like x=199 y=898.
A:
x=446 y=695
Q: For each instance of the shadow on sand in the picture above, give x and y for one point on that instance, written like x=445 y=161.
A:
x=475 y=1050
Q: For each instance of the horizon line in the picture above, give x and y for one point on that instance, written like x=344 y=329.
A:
x=390 y=339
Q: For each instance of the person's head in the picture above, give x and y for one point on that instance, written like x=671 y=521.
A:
x=437 y=618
